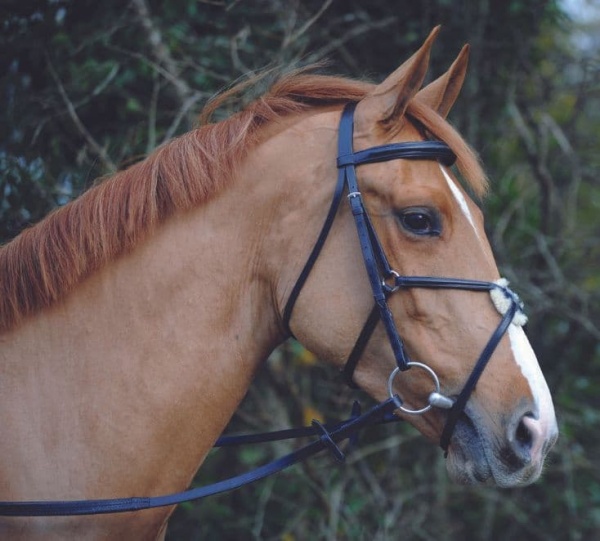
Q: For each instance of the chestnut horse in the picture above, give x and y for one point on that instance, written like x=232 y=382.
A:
x=133 y=319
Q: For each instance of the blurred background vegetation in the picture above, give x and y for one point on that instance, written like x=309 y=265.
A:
x=89 y=87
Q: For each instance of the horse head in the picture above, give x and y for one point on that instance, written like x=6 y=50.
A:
x=426 y=225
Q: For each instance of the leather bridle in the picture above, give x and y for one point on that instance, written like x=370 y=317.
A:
x=385 y=280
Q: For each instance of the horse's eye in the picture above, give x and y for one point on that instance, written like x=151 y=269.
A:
x=421 y=221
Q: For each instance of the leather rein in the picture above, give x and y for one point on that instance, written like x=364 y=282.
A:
x=384 y=281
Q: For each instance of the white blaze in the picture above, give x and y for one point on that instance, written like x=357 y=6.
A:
x=522 y=350
x=460 y=199
x=528 y=363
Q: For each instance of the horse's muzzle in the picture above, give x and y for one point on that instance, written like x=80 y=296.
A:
x=510 y=456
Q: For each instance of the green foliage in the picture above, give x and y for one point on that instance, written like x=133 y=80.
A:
x=23 y=196
x=89 y=87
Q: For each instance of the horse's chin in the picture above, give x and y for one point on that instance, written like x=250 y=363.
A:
x=467 y=463
x=472 y=461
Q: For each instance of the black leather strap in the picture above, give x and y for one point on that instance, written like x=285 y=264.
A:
x=359 y=347
x=376 y=262
x=417 y=150
x=314 y=254
x=459 y=406
x=346 y=161
x=328 y=439
x=377 y=265
x=372 y=253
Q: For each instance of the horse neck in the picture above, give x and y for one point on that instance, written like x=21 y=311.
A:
x=125 y=384
x=153 y=353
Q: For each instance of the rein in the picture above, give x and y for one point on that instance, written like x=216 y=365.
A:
x=329 y=437
x=384 y=282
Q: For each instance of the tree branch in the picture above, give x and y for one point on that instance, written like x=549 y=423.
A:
x=163 y=57
x=355 y=31
x=92 y=143
x=290 y=38
x=538 y=165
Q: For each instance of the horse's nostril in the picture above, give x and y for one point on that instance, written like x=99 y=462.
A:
x=523 y=435
x=524 y=442
x=521 y=442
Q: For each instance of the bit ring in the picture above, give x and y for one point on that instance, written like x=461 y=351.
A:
x=436 y=391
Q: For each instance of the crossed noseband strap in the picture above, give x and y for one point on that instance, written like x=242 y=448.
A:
x=385 y=281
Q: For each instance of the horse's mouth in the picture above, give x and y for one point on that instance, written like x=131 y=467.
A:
x=467 y=461
x=476 y=458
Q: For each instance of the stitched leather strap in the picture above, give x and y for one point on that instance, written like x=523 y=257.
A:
x=459 y=406
x=314 y=254
x=418 y=150
x=328 y=439
x=359 y=347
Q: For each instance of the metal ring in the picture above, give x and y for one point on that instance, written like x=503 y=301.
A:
x=433 y=375
x=392 y=274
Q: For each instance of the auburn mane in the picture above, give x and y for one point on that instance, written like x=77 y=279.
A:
x=47 y=261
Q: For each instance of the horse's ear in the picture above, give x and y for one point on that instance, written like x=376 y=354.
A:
x=441 y=94
x=387 y=102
